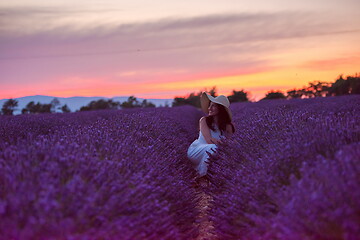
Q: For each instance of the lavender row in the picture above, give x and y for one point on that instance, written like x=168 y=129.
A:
x=274 y=139
x=104 y=174
x=323 y=204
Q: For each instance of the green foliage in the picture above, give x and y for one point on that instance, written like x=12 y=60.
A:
x=9 y=106
x=101 y=104
x=31 y=107
x=238 y=96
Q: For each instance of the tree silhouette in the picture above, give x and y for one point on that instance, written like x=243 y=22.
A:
x=31 y=107
x=132 y=102
x=54 y=104
x=350 y=85
x=9 y=106
x=146 y=104
x=318 y=88
x=44 y=108
x=193 y=98
x=238 y=96
x=101 y=104
x=294 y=93
x=274 y=95
x=354 y=84
x=65 y=109
x=213 y=91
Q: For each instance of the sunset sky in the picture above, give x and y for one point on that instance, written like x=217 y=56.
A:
x=166 y=48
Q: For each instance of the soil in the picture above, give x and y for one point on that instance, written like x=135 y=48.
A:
x=205 y=226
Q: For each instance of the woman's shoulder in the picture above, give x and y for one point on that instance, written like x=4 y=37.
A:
x=203 y=124
x=202 y=119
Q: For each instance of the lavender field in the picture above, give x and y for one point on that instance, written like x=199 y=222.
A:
x=291 y=171
x=98 y=175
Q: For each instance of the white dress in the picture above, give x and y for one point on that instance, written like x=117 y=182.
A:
x=197 y=151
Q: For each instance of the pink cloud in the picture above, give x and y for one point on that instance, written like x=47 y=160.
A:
x=330 y=64
x=159 y=52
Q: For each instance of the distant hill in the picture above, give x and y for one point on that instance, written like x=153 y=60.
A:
x=75 y=103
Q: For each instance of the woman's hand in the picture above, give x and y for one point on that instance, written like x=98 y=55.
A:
x=215 y=141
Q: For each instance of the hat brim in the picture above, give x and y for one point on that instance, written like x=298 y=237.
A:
x=205 y=100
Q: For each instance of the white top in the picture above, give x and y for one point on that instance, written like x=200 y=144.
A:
x=215 y=134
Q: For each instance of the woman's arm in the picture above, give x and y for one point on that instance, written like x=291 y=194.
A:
x=206 y=132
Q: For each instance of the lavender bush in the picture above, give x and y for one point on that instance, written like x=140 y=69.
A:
x=291 y=171
x=103 y=174
x=323 y=204
x=253 y=175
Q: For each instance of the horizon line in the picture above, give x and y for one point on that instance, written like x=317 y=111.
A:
x=82 y=97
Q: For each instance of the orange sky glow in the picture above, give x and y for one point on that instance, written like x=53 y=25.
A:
x=256 y=47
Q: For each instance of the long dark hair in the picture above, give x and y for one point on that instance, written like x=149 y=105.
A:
x=223 y=120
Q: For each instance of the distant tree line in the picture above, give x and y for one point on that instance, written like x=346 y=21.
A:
x=38 y=107
x=341 y=86
x=10 y=106
x=194 y=98
x=131 y=102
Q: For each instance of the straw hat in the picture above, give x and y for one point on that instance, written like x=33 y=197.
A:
x=206 y=98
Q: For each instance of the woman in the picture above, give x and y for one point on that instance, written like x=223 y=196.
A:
x=212 y=128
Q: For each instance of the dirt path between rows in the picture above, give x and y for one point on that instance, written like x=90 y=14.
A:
x=205 y=225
